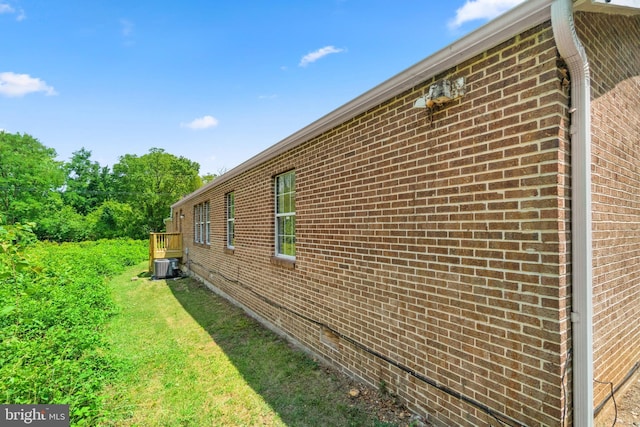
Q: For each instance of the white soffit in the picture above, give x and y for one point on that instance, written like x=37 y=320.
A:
x=617 y=7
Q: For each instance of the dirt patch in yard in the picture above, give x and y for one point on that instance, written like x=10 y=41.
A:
x=389 y=410
x=385 y=406
x=629 y=406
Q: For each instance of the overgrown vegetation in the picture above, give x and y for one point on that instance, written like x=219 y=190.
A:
x=123 y=352
x=54 y=302
x=81 y=200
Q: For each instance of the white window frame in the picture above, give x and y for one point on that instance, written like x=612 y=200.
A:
x=201 y=223
x=284 y=207
x=230 y=203
x=196 y=223
x=207 y=223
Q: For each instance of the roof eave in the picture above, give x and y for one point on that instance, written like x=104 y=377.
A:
x=612 y=7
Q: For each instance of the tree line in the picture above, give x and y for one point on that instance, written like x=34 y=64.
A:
x=82 y=200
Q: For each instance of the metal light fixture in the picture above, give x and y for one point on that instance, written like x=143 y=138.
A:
x=422 y=102
x=441 y=92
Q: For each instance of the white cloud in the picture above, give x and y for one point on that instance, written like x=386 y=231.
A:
x=481 y=9
x=204 y=122
x=126 y=27
x=126 y=30
x=16 y=85
x=7 y=8
x=320 y=53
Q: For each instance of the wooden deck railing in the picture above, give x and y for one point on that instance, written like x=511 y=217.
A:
x=164 y=245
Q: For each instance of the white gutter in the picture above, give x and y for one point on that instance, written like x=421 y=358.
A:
x=574 y=55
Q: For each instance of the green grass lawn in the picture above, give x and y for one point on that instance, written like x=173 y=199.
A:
x=189 y=358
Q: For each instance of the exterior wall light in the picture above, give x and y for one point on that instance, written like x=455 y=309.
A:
x=441 y=92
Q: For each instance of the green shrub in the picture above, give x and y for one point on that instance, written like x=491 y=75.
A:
x=115 y=219
x=64 y=225
x=54 y=302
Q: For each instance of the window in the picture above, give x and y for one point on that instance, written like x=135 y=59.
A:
x=207 y=224
x=231 y=220
x=196 y=223
x=286 y=215
x=201 y=223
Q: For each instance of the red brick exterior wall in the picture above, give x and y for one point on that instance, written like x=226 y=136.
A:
x=613 y=44
x=440 y=243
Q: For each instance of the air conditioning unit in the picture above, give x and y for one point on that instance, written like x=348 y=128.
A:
x=161 y=268
x=174 y=267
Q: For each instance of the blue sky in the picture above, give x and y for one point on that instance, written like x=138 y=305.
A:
x=214 y=81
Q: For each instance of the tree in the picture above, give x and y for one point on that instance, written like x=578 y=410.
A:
x=208 y=177
x=153 y=182
x=87 y=184
x=28 y=174
x=115 y=219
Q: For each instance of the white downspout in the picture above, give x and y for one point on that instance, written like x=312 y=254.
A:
x=574 y=55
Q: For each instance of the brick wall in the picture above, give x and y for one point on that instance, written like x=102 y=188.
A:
x=437 y=242
x=614 y=44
